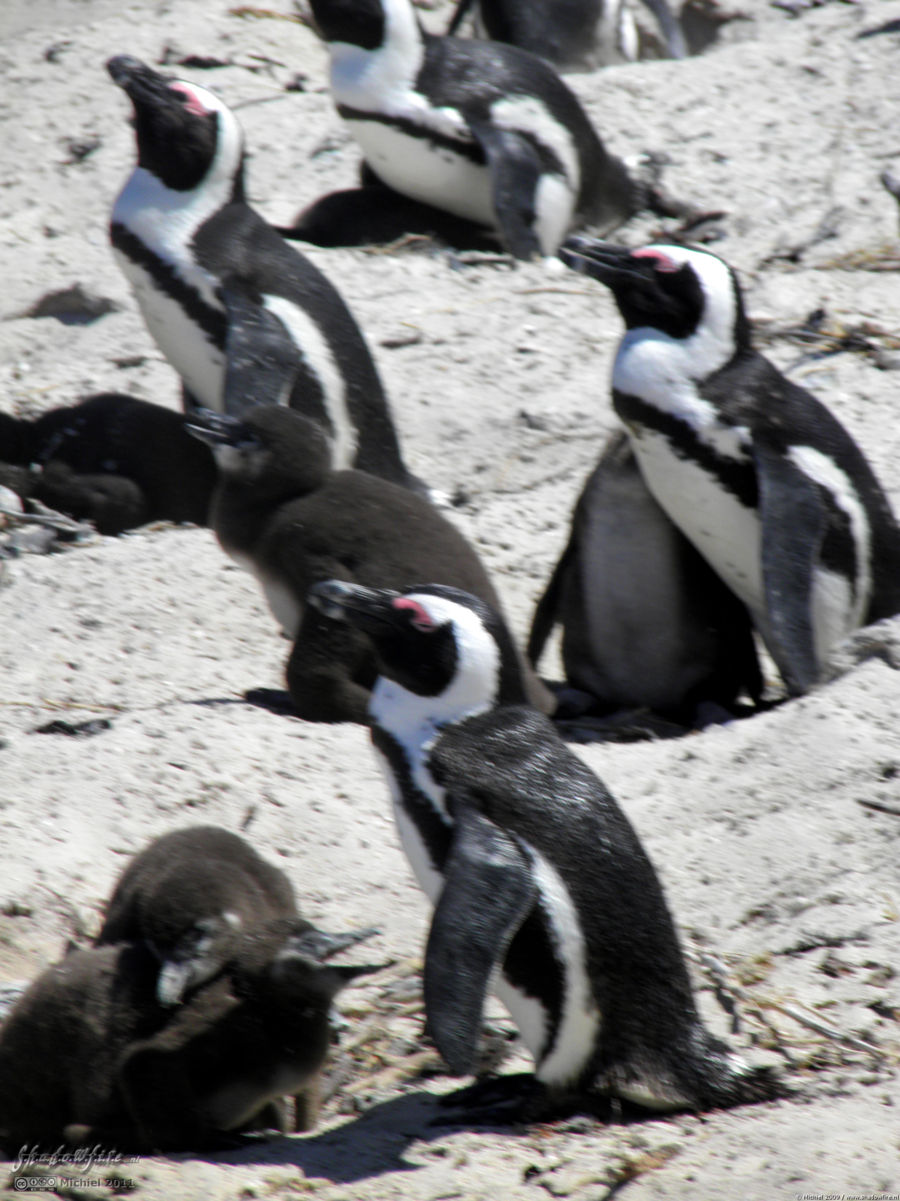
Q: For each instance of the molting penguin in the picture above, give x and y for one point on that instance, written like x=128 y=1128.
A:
x=541 y=888
x=88 y=1055
x=282 y=512
x=115 y=460
x=190 y=895
x=755 y=471
x=572 y=33
x=646 y=622
x=485 y=131
x=241 y=316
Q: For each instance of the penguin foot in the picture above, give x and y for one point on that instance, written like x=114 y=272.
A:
x=494 y=1100
x=276 y=700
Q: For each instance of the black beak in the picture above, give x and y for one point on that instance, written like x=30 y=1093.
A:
x=369 y=609
x=604 y=261
x=315 y=949
x=218 y=429
x=141 y=83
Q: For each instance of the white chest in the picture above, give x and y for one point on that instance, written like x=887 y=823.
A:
x=189 y=349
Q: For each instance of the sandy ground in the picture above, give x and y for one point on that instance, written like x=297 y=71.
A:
x=764 y=832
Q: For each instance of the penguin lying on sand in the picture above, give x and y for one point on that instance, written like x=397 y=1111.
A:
x=647 y=624
x=281 y=511
x=241 y=316
x=486 y=132
x=754 y=470
x=542 y=891
x=572 y=33
x=114 y=460
x=190 y=896
x=89 y=1056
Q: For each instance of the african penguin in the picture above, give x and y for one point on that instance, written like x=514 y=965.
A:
x=241 y=315
x=190 y=895
x=754 y=470
x=542 y=891
x=88 y=1054
x=572 y=34
x=485 y=131
x=282 y=512
x=116 y=461
x=647 y=624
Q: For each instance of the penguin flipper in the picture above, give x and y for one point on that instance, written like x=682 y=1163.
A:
x=262 y=360
x=515 y=171
x=793 y=525
x=488 y=892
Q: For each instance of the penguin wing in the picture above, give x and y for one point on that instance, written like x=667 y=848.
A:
x=488 y=891
x=262 y=359
x=515 y=169
x=793 y=518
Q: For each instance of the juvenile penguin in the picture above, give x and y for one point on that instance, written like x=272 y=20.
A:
x=241 y=315
x=647 y=624
x=754 y=470
x=572 y=33
x=282 y=512
x=485 y=131
x=542 y=891
x=190 y=896
x=114 y=460
x=89 y=1056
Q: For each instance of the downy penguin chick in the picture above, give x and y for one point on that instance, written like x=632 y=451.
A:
x=88 y=1055
x=282 y=512
x=754 y=470
x=190 y=896
x=241 y=315
x=542 y=891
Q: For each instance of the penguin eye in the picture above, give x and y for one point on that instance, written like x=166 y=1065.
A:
x=661 y=262
x=418 y=615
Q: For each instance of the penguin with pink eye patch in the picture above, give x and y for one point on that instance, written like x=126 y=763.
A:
x=756 y=472
x=242 y=316
x=543 y=894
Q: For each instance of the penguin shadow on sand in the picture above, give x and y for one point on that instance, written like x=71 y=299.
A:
x=102 y=1047
x=241 y=315
x=757 y=474
x=462 y=137
x=653 y=643
x=283 y=512
x=113 y=460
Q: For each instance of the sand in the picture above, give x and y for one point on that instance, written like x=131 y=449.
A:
x=775 y=837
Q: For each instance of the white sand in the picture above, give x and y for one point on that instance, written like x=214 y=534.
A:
x=498 y=382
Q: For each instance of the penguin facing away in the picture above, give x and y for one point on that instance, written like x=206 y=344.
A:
x=88 y=1054
x=242 y=316
x=487 y=132
x=114 y=460
x=190 y=896
x=572 y=34
x=647 y=624
x=754 y=470
x=282 y=512
x=542 y=891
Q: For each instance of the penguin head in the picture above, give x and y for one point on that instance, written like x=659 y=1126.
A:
x=681 y=292
x=186 y=136
x=356 y=22
x=270 y=447
x=441 y=647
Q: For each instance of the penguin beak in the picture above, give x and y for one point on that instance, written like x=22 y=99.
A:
x=368 y=609
x=219 y=429
x=314 y=949
x=141 y=83
x=604 y=261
